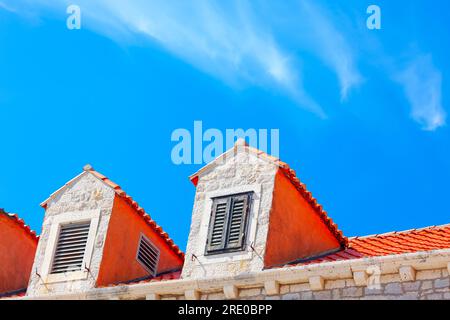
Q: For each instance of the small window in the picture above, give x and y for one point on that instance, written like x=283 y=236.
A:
x=148 y=255
x=70 y=248
x=227 y=229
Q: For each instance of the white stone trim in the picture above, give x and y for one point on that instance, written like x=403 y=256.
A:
x=231 y=153
x=192 y=294
x=360 y=278
x=69 y=217
x=272 y=287
x=60 y=190
x=251 y=228
x=407 y=273
x=316 y=283
x=153 y=296
x=231 y=291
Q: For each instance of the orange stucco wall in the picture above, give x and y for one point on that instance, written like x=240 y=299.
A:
x=295 y=229
x=119 y=262
x=17 y=250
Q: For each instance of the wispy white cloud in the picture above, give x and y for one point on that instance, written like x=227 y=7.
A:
x=222 y=39
x=6 y=7
x=231 y=42
x=330 y=44
x=422 y=83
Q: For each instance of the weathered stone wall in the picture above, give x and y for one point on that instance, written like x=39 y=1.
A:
x=429 y=285
x=86 y=193
x=242 y=169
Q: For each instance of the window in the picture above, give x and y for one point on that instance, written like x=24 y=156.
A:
x=227 y=227
x=71 y=247
x=148 y=255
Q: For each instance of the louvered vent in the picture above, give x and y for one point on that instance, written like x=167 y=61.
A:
x=70 y=248
x=148 y=255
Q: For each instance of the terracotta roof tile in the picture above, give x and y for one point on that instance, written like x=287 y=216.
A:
x=172 y=275
x=21 y=223
x=426 y=239
x=14 y=294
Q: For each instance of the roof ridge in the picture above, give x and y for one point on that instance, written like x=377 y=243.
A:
x=15 y=217
x=400 y=232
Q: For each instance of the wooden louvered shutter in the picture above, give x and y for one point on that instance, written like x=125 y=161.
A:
x=70 y=248
x=237 y=221
x=228 y=223
x=217 y=228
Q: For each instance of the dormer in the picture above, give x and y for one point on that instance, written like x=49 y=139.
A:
x=17 y=249
x=250 y=213
x=94 y=234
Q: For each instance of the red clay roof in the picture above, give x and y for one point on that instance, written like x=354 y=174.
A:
x=173 y=275
x=132 y=203
x=15 y=294
x=416 y=240
x=21 y=223
x=291 y=175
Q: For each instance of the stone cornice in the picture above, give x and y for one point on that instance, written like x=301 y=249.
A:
x=315 y=275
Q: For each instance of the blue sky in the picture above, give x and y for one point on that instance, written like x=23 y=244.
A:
x=362 y=113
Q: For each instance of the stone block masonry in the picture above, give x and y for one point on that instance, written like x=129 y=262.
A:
x=431 y=282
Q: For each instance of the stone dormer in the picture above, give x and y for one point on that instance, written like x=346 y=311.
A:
x=94 y=235
x=250 y=213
